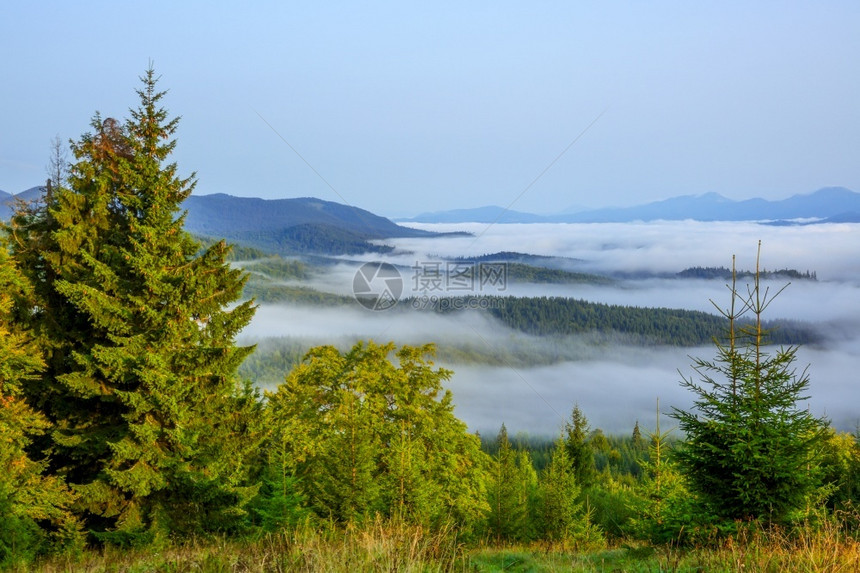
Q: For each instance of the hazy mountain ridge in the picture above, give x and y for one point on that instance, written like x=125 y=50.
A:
x=829 y=204
x=8 y=200
x=488 y=214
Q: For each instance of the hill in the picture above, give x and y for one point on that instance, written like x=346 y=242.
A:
x=303 y=225
x=220 y=213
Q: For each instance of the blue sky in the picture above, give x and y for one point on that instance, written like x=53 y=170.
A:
x=407 y=107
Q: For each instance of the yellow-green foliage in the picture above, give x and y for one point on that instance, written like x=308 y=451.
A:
x=364 y=435
x=27 y=496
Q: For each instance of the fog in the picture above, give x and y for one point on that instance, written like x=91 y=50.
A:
x=663 y=246
x=615 y=386
x=623 y=387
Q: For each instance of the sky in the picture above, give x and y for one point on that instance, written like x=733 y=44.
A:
x=403 y=108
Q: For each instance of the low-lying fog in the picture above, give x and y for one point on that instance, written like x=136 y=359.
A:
x=619 y=385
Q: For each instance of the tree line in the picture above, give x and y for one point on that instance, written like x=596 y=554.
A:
x=725 y=273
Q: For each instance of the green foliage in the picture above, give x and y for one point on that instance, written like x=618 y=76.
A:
x=520 y=272
x=277 y=268
x=727 y=274
x=139 y=342
x=667 y=511
x=34 y=512
x=750 y=447
x=840 y=469
x=364 y=436
x=319 y=238
x=613 y=506
x=512 y=489
x=579 y=450
x=565 y=316
x=561 y=514
x=279 y=504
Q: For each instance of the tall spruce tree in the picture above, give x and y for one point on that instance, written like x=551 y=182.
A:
x=750 y=446
x=139 y=334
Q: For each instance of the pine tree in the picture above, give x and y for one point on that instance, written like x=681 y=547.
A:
x=579 y=450
x=638 y=442
x=506 y=511
x=560 y=510
x=749 y=449
x=141 y=359
x=665 y=513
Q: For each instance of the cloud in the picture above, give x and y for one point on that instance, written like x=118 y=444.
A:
x=623 y=387
x=662 y=246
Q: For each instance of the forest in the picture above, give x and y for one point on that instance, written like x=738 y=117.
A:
x=130 y=440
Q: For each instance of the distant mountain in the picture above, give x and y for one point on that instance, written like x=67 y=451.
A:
x=291 y=225
x=488 y=214
x=853 y=217
x=831 y=204
x=7 y=200
x=822 y=204
x=699 y=207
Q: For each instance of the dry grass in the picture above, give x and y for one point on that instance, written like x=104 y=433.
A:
x=825 y=547
x=385 y=546
x=378 y=546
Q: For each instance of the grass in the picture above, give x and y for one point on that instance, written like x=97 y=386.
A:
x=379 y=546
x=389 y=547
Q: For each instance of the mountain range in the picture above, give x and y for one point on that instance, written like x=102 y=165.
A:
x=309 y=225
x=830 y=204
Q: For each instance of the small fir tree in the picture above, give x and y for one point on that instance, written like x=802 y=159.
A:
x=561 y=516
x=579 y=449
x=750 y=447
x=508 y=512
x=665 y=506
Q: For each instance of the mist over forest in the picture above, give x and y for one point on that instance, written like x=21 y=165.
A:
x=615 y=382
